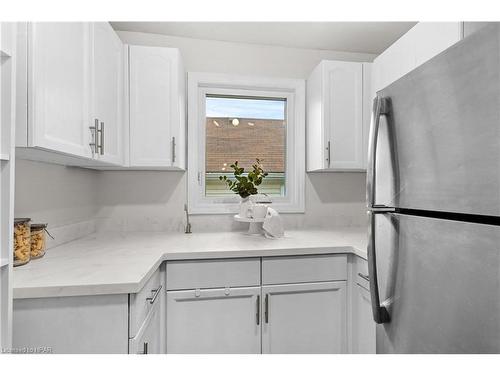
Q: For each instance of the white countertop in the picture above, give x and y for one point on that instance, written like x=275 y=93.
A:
x=115 y=263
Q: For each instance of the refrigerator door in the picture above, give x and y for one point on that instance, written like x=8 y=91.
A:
x=438 y=147
x=440 y=282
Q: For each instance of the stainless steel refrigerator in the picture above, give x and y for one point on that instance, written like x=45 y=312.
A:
x=433 y=190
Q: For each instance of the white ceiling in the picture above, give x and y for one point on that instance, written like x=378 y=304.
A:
x=369 y=37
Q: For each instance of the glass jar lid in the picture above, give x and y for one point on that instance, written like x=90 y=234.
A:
x=38 y=226
x=21 y=220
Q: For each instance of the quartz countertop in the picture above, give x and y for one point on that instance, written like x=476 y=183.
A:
x=116 y=263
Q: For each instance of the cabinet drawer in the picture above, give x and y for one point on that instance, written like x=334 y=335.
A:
x=143 y=302
x=299 y=269
x=212 y=273
x=361 y=273
x=148 y=338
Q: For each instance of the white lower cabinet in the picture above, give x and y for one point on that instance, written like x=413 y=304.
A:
x=304 y=318
x=148 y=339
x=223 y=320
x=364 y=326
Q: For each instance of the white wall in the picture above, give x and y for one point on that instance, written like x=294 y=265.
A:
x=140 y=200
x=55 y=194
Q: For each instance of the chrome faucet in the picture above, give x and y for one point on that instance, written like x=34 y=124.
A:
x=187 y=229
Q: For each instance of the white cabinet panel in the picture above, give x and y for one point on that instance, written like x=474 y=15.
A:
x=59 y=87
x=192 y=274
x=142 y=303
x=424 y=41
x=108 y=91
x=301 y=269
x=213 y=321
x=335 y=116
x=304 y=318
x=77 y=325
x=156 y=107
x=432 y=38
x=364 y=330
x=148 y=339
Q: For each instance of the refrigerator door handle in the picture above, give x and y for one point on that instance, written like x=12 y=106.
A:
x=380 y=313
x=380 y=108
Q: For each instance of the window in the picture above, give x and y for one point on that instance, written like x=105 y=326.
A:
x=242 y=119
x=243 y=129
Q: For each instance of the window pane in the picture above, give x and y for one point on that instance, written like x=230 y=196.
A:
x=243 y=129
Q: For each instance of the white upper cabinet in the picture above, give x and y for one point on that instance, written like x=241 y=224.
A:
x=335 y=117
x=157 y=113
x=421 y=43
x=108 y=92
x=70 y=93
x=59 y=87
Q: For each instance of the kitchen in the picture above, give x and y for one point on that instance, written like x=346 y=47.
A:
x=148 y=250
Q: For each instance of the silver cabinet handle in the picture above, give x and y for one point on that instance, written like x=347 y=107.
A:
x=155 y=292
x=266 y=309
x=380 y=108
x=380 y=313
x=145 y=348
x=257 y=315
x=173 y=150
x=328 y=153
x=364 y=277
x=93 y=131
x=102 y=138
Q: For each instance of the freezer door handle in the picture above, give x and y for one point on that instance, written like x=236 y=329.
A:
x=380 y=108
x=380 y=313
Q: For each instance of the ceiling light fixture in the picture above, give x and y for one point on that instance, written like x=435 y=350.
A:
x=235 y=122
x=251 y=124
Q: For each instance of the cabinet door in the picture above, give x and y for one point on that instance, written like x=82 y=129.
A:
x=214 y=321
x=304 y=318
x=344 y=114
x=153 y=105
x=148 y=339
x=59 y=87
x=364 y=329
x=108 y=91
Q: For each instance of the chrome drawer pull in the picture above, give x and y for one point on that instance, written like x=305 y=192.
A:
x=364 y=277
x=155 y=295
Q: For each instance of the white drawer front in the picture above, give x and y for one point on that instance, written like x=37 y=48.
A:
x=300 y=269
x=361 y=274
x=142 y=303
x=212 y=273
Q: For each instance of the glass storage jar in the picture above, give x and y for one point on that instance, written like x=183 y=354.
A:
x=22 y=241
x=38 y=243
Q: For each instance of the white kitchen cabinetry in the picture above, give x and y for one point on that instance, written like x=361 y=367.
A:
x=58 y=84
x=7 y=176
x=304 y=318
x=363 y=325
x=157 y=108
x=77 y=325
x=108 y=92
x=424 y=41
x=70 y=78
x=117 y=323
x=148 y=339
x=224 y=320
x=335 y=117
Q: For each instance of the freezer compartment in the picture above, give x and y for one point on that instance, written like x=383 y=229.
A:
x=438 y=146
x=440 y=282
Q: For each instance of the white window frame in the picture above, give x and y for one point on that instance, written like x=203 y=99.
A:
x=199 y=84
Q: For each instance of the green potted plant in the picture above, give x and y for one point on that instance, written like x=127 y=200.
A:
x=245 y=185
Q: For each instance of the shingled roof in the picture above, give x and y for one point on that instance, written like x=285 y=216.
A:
x=251 y=139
